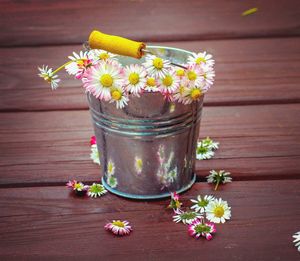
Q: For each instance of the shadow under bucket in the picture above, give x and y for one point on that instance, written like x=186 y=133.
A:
x=147 y=149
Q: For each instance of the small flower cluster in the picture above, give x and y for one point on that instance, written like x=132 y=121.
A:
x=204 y=208
x=104 y=77
x=93 y=191
x=205 y=148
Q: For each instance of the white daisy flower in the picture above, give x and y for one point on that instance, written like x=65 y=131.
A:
x=98 y=55
x=169 y=83
x=101 y=78
x=192 y=94
x=208 y=142
x=186 y=217
x=156 y=67
x=138 y=165
x=48 y=76
x=110 y=168
x=180 y=93
x=135 y=78
x=80 y=62
x=201 y=58
x=208 y=75
x=112 y=181
x=119 y=227
x=95 y=154
x=119 y=96
x=217 y=177
x=297 y=240
x=194 y=75
x=218 y=211
x=200 y=228
x=203 y=152
x=151 y=85
x=96 y=190
x=201 y=203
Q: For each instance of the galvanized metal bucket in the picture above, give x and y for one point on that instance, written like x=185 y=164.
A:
x=147 y=149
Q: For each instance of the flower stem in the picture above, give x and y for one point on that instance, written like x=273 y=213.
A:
x=61 y=67
x=217 y=184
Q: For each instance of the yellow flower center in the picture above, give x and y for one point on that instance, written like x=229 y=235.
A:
x=103 y=56
x=200 y=60
x=180 y=72
x=181 y=89
x=168 y=80
x=192 y=75
x=78 y=186
x=116 y=95
x=158 y=63
x=151 y=82
x=219 y=211
x=106 y=80
x=195 y=94
x=134 y=78
x=118 y=223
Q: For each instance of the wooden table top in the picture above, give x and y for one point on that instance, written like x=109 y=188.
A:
x=252 y=110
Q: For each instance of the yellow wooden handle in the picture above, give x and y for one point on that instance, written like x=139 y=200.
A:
x=116 y=44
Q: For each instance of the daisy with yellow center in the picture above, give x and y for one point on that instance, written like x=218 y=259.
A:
x=151 y=84
x=79 y=64
x=119 y=97
x=118 y=227
x=180 y=93
x=201 y=58
x=103 y=77
x=192 y=94
x=180 y=72
x=48 y=75
x=169 y=83
x=101 y=55
x=156 y=66
x=194 y=75
x=218 y=211
x=135 y=78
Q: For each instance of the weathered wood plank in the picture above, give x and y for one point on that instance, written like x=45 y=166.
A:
x=63 y=22
x=51 y=147
x=248 y=72
x=48 y=222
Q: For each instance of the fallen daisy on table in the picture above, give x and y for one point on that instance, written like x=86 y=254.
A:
x=119 y=227
x=201 y=203
x=78 y=187
x=186 y=217
x=96 y=190
x=297 y=240
x=201 y=228
x=217 y=177
x=205 y=148
x=175 y=203
x=218 y=211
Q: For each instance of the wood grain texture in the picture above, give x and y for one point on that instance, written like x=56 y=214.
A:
x=58 y=22
x=48 y=222
x=248 y=72
x=51 y=147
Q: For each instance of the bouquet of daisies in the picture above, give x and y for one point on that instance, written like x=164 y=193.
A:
x=107 y=79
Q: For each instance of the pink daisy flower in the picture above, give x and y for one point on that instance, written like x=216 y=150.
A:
x=118 y=227
x=200 y=228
